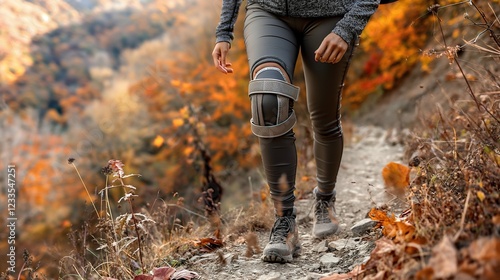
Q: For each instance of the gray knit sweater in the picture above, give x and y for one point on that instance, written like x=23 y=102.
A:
x=355 y=13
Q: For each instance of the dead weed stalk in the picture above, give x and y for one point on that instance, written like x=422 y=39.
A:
x=121 y=244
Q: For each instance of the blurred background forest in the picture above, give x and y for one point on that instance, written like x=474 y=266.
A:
x=133 y=80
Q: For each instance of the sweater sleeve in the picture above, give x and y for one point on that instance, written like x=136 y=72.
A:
x=354 y=22
x=228 y=16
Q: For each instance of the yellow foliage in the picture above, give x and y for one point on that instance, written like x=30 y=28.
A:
x=480 y=195
x=158 y=141
x=178 y=122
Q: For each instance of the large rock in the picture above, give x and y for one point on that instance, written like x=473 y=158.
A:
x=329 y=260
x=363 y=226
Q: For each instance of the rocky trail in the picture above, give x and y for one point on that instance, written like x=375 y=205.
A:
x=360 y=187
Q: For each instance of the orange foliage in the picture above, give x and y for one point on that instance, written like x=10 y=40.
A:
x=38 y=183
x=390 y=47
x=401 y=231
x=197 y=105
x=396 y=175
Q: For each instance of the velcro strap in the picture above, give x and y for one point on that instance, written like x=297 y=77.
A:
x=274 y=130
x=273 y=86
x=283 y=107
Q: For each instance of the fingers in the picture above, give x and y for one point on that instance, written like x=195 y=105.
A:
x=226 y=69
x=219 y=55
x=331 y=50
x=318 y=54
x=331 y=55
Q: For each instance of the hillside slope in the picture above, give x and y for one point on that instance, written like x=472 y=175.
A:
x=441 y=84
x=22 y=20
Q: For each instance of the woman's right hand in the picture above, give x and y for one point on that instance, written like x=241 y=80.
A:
x=219 y=55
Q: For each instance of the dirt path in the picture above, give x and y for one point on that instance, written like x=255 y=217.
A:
x=360 y=187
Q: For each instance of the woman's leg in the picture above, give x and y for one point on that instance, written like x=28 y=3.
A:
x=324 y=83
x=272 y=52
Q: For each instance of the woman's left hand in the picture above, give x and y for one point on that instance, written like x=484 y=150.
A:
x=331 y=50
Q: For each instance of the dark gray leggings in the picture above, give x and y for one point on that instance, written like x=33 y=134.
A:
x=278 y=39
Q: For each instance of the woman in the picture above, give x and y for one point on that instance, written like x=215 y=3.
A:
x=325 y=32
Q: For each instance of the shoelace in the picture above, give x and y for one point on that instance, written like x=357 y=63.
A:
x=281 y=228
x=321 y=211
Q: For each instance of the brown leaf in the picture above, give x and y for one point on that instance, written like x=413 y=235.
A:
x=481 y=260
x=444 y=259
x=163 y=273
x=209 y=244
x=425 y=273
x=384 y=248
x=485 y=249
x=396 y=175
x=356 y=271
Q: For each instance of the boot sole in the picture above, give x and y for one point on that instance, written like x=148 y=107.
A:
x=273 y=257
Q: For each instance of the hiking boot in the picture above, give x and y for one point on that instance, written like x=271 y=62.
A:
x=325 y=220
x=284 y=240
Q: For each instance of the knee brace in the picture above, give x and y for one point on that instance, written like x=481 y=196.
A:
x=272 y=103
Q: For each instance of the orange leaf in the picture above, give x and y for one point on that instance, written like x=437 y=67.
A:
x=344 y=276
x=209 y=244
x=396 y=175
x=399 y=230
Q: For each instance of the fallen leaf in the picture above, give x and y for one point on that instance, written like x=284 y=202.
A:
x=209 y=244
x=385 y=251
x=485 y=249
x=399 y=230
x=383 y=246
x=163 y=273
x=185 y=275
x=443 y=260
x=396 y=175
x=425 y=273
x=480 y=195
x=344 y=276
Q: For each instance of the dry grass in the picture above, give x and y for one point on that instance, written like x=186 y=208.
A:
x=120 y=242
x=457 y=153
